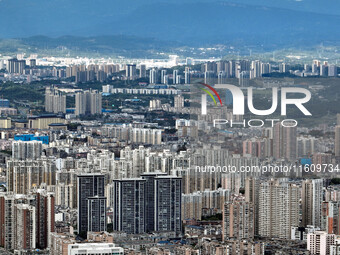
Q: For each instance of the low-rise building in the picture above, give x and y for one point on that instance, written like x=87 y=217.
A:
x=94 y=248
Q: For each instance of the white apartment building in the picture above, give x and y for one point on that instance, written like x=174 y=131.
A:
x=319 y=243
x=278 y=209
x=94 y=248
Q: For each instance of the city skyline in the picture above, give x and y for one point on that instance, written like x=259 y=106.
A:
x=169 y=127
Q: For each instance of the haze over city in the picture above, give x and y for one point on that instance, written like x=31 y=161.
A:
x=169 y=127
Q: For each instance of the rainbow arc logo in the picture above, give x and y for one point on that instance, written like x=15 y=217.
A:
x=204 y=97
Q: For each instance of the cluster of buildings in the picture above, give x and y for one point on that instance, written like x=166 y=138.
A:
x=128 y=183
x=159 y=91
x=26 y=220
x=161 y=76
x=153 y=192
x=88 y=102
x=87 y=70
x=320 y=68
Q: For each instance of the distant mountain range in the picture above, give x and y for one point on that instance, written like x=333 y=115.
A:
x=113 y=45
x=189 y=22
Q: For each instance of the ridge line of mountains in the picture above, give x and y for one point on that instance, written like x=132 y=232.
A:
x=132 y=24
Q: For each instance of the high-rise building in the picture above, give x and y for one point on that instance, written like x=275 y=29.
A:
x=178 y=102
x=284 y=142
x=220 y=66
x=221 y=77
x=238 y=220
x=146 y=136
x=85 y=75
x=18 y=221
x=129 y=205
x=256 y=69
x=330 y=217
x=323 y=70
x=338 y=119
x=209 y=200
x=96 y=214
x=155 y=104
x=316 y=67
x=26 y=150
x=66 y=195
x=25 y=227
x=95 y=102
x=80 y=104
x=312 y=197
x=232 y=68
x=16 y=66
x=316 y=62
x=130 y=72
x=333 y=70
x=211 y=66
x=147 y=204
x=33 y=63
x=283 y=68
x=178 y=79
x=306 y=146
x=265 y=68
x=23 y=175
x=2 y=219
x=150 y=192
x=101 y=75
x=164 y=77
x=153 y=76
x=252 y=189
x=192 y=206
x=88 y=102
x=187 y=75
x=142 y=71
x=45 y=222
x=174 y=77
x=168 y=194
x=88 y=186
x=337 y=141
x=257 y=147
x=55 y=101
x=278 y=208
